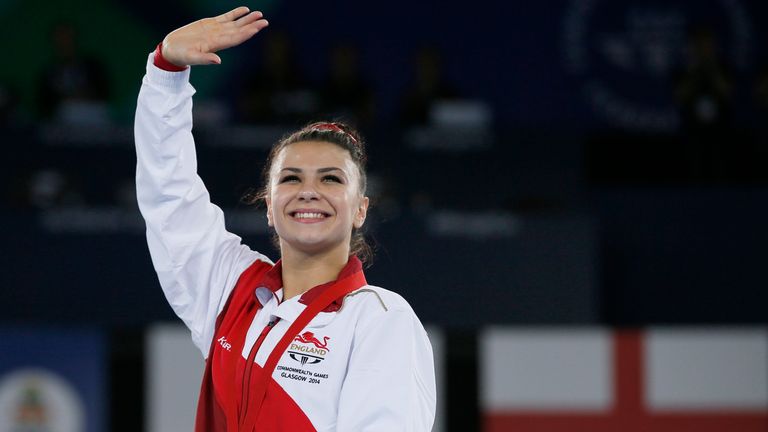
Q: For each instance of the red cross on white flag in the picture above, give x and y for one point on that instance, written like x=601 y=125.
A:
x=594 y=380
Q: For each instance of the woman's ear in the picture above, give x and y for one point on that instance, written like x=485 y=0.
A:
x=361 y=213
x=268 y=201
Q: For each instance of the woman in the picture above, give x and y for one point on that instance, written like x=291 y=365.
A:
x=301 y=345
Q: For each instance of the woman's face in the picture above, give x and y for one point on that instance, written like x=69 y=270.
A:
x=314 y=197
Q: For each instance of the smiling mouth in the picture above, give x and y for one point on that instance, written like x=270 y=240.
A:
x=304 y=215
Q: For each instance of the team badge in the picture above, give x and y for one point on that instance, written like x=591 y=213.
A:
x=307 y=348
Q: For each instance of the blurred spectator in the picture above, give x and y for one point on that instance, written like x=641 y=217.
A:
x=278 y=92
x=346 y=93
x=74 y=88
x=428 y=86
x=50 y=188
x=703 y=93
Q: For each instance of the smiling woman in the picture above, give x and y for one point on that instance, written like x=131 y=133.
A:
x=315 y=182
x=339 y=158
x=304 y=344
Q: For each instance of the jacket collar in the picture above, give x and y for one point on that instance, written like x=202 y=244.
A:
x=273 y=281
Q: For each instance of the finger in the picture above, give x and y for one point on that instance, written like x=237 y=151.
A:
x=233 y=14
x=237 y=36
x=247 y=19
x=230 y=39
x=245 y=33
x=213 y=59
x=255 y=27
x=202 y=58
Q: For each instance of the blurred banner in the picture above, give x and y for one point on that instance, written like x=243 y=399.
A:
x=52 y=380
x=659 y=379
x=175 y=368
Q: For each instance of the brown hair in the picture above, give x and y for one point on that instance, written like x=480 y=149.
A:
x=337 y=133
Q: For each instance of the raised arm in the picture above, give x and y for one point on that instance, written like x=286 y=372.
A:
x=196 y=259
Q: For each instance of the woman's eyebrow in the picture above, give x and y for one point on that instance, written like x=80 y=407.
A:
x=320 y=170
x=328 y=169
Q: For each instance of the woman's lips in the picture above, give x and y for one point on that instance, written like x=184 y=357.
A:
x=309 y=216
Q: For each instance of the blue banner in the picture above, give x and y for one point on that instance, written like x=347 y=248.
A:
x=52 y=380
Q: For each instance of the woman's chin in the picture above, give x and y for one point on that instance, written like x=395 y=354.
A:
x=311 y=245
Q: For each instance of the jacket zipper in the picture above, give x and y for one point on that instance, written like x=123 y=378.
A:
x=249 y=365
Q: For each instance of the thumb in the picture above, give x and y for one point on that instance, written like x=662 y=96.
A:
x=204 y=59
x=212 y=58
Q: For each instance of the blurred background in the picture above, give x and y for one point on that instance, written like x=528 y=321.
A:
x=571 y=194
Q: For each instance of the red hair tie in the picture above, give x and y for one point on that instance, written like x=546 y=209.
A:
x=335 y=128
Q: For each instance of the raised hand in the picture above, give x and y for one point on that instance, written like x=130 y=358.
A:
x=197 y=43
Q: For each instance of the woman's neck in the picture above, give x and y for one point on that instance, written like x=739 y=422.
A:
x=301 y=271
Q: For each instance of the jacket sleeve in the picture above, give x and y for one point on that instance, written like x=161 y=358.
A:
x=197 y=261
x=390 y=382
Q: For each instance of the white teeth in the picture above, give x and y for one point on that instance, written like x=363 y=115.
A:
x=309 y=216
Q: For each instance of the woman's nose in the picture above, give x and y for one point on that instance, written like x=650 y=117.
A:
x=308 y=195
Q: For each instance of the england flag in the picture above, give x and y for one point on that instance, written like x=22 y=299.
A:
x=600 y=380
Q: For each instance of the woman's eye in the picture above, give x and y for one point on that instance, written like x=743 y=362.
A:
x=289 y=178
x=332 y=178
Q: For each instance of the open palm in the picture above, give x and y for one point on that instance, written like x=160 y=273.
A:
x=198 y=42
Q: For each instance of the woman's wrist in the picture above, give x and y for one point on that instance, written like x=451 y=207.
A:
x=163 y=63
